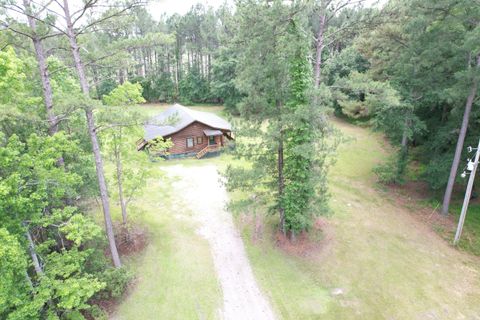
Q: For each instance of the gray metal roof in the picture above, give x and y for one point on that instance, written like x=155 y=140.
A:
x=209 y=132
x=177 y=117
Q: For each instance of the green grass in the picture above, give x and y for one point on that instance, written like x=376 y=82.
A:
x=389 y=265
x=289 y=283
x=470 y=240
x=176 y=277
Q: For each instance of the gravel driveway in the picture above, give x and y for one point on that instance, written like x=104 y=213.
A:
x=202 y=191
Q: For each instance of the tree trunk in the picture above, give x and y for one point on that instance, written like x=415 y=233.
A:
x=319 y=49
x=118 y=164
x=29 y=280
x=93 y=137
x=209 y=67
x=281 y=184
x=461 y=138
x=404 y=142
x=281 y=179
x=42 y=65
x=97 y=82
x=33 y=254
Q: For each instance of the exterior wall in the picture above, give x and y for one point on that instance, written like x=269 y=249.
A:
x=194 y=130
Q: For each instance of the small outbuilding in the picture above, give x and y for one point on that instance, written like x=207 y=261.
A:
x=193 y=133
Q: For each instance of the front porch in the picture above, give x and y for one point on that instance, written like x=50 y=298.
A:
x=215 y=140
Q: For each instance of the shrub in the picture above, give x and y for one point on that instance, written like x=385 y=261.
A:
x=393 y=170
x=105 y=87
x=116 y=279
x=125 y=94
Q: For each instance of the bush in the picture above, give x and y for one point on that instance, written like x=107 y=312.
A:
x=116 y=279
x=105 y=87
x=393 y=170
x=125 y=94
x=98 y=313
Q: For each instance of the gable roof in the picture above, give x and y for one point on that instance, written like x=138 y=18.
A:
x=177 y=117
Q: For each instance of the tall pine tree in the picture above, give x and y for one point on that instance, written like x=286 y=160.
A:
x=284 y=134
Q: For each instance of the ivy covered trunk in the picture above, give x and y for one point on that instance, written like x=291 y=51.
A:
x=299 y=139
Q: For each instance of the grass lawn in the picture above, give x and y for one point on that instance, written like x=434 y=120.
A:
x=387 y=264
x=175 y=274
x=384 y=263
x=470 y=240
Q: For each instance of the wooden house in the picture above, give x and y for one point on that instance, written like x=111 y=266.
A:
x=193 y=133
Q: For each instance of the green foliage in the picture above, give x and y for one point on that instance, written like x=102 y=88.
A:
x=124 y=95
x=105 y=87
x=62 y=78
x=299 y=149
x=282 y=120
x=433 y=79
x=360 y=97
x=122 y=127
x=80 y=229
x=33 y=192
x=165 y=88
x=117 y=280
x=393 y=170
x=158 y=88
x=223 y=84
x=17 y=97
x=194 y=88
x=11 y=76
x=13 y=264
x=342 y=65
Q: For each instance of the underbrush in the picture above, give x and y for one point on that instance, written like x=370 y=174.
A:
x=131 y=240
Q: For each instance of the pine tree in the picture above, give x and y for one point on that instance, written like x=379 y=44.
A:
x=284 y=133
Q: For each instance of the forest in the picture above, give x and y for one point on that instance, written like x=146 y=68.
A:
x=297 y=79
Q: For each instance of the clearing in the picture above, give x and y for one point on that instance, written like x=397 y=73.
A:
x=373 y=260
x=202 y=190
x=377 y=260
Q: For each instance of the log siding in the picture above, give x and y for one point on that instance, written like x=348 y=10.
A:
x=194 y=131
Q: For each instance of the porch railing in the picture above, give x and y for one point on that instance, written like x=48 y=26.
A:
x=206 y=150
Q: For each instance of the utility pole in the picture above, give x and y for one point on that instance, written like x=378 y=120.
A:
x=472 y=167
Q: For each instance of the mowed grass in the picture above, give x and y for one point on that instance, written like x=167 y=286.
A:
x=387 y=264
x=174 y=275
x=294 y=291
x=470 y=240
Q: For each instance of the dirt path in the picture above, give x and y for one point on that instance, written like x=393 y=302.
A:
x=202 y=191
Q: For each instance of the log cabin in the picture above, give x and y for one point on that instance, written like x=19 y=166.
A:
x=192 y=132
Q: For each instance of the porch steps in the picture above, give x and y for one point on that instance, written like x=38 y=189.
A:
x=202 y=152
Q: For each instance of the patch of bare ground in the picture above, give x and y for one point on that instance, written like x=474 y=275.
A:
x=312 y=244
x=131 y=239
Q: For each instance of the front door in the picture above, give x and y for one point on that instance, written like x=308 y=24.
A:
x=211 y=140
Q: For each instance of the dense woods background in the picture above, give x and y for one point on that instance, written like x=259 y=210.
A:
x=409 y=69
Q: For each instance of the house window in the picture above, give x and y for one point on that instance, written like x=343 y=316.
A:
x=189 y=142
x=199 y=140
